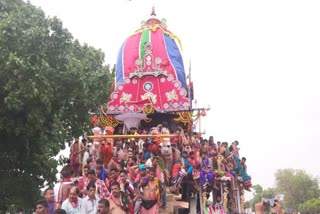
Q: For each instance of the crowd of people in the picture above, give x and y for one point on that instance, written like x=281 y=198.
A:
x=132 y=175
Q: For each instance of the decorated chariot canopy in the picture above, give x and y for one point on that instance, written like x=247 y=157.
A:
x=150 y=71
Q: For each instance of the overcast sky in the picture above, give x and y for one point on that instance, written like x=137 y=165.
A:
x=256 y=63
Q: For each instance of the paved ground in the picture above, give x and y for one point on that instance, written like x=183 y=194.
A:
x=173 y=203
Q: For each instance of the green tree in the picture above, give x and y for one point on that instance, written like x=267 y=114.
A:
x=260 y=193
x=310 y=206
x=296 y=186
x=48 y=83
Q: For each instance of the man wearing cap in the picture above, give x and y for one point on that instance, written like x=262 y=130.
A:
x=142 y=173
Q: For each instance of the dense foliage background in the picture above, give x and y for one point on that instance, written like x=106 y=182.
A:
x=48 y=83
x=297 y=190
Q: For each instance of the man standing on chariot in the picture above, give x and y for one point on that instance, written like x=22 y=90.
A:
x=75 y=157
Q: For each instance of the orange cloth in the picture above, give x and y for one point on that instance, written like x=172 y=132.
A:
x=106 y=153
x=154 y=147
x=175 y=169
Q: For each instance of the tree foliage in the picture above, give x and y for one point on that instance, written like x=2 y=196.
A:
x=48 y=83
x=310 y=206
x=296 y=186
x=260 y=193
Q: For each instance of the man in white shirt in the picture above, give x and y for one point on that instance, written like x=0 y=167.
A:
x=73 y=203
x=90 y=202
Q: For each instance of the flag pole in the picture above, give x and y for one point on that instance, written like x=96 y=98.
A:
x=190 y=86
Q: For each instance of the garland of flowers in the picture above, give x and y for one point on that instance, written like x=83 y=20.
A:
x=109 y=120
x=123 y=202
x=148 y=109
x=184 y=117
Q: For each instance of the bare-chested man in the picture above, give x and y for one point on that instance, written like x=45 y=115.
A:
x=243 y=163
x=103 y=206
x=119 y=202
x=114 y=163
x=151 y=193
x=75 y=156
x=65 y=186
x=142 y=175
